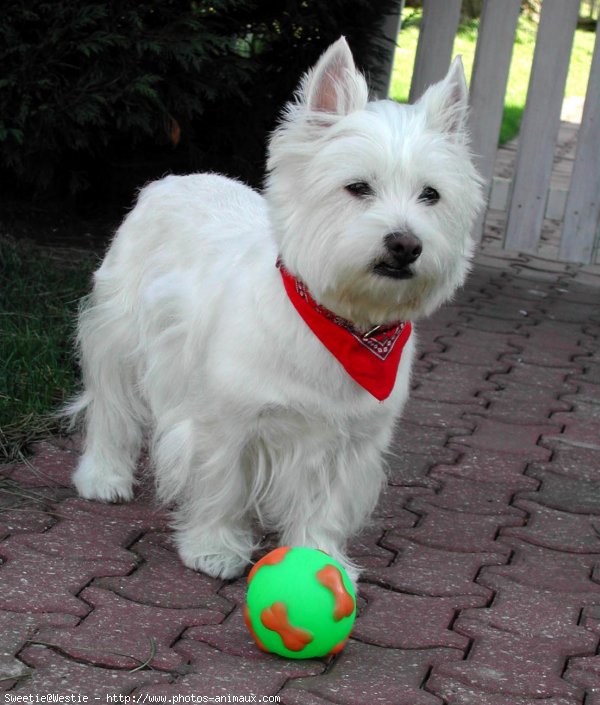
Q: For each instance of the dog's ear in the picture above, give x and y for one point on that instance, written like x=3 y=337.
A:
x=334 y=86
x=447 y=102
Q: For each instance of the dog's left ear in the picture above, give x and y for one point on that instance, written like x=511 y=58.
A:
x=447 y=102
x=334 y=86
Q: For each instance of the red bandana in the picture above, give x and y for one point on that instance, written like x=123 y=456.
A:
x=371 y=359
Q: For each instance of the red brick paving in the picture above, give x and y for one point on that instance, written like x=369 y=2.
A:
x=52 y=673
x=512 y=663
x=120 y=633
x=215 y=673
x=423 y=570
x=482 y=562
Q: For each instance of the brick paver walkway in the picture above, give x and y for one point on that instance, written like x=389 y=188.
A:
x=482 y=563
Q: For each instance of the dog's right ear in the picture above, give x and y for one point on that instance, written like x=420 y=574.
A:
x=334 y=86
x=447 y=102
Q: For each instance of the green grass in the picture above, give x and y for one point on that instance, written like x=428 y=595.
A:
x=520 y=68
x=39 y=291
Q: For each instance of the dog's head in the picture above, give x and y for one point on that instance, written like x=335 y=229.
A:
x=373 y=202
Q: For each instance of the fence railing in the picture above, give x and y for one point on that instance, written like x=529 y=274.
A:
x=528 y=192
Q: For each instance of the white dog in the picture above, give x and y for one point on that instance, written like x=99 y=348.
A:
x=264 y=340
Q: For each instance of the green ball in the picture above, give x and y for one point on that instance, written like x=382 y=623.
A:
x=300 y=603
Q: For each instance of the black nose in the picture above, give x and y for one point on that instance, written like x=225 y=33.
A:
x=404 y=247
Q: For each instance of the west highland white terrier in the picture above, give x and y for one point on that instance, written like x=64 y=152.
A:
x=264 y=340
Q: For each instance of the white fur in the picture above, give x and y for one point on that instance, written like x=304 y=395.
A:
x=188 y=332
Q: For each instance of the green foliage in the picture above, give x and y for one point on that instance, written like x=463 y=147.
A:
x=81 y=77
x=91 y=88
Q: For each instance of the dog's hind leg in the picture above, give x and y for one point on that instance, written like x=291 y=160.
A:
x=113 y=442
x=113 y=432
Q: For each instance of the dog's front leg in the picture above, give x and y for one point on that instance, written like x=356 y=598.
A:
x=335 y=500
x=212 y=523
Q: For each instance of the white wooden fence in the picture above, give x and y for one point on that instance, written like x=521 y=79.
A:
x=529 y=189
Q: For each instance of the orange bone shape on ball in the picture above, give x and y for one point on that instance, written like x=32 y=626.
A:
x=276 y=619
x=331 y=578
x=272 y=558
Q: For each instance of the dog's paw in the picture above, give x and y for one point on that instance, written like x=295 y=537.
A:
x=219 y=550
x=221 y=566
x=102 y=485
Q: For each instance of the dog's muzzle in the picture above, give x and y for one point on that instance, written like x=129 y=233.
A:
x=402 y=249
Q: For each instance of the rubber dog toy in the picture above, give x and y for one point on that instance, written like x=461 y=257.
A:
x=300 y=603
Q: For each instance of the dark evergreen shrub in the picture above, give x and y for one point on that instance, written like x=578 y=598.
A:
x=88 y=80
x=97 y=94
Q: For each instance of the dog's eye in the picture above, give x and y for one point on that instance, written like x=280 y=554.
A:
x=429 y=196
x=360 y=189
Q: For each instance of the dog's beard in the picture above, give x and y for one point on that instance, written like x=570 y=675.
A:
x=371 y=300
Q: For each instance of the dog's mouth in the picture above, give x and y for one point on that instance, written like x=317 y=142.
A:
x=384 y=269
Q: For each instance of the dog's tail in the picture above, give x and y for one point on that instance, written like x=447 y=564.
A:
x=69 y=415
x=73 y=411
